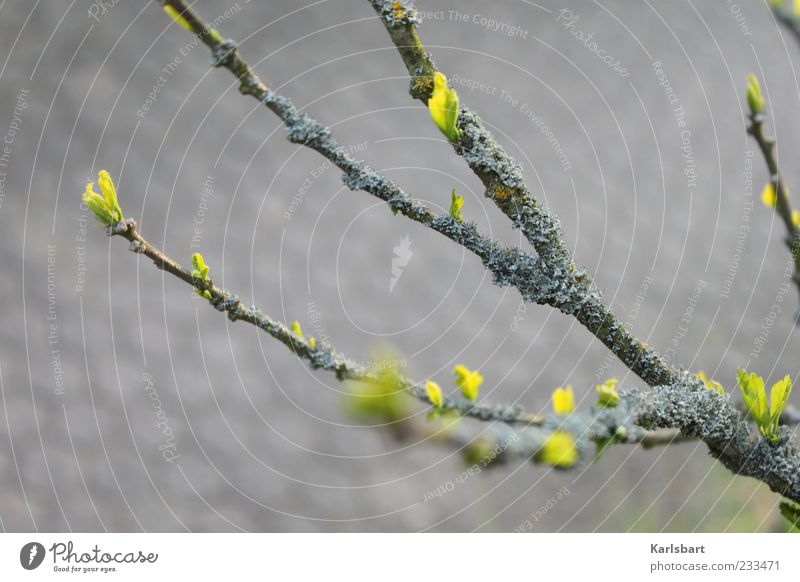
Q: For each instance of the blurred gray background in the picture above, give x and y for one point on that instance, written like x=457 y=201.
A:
x=677 y=239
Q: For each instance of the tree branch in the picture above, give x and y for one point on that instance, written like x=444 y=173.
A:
x=783 y=205
x=320 y=355
x=505 y=186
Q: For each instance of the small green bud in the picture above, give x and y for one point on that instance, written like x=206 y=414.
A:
x=559 y=450
x=97 y=204
x=755 y=99
x=200 y=272
x=296 y=329
x=456 y=204
x=105 y=208
x=443 y=107
x=200 y=269
x=110 y=194
x=754 y=395
x=468 y=381
x=434 y=394
x=563 y=400
x=178 y=17
x=607 y=393
x=710 y=383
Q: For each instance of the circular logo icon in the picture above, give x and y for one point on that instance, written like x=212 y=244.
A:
x=31 y=555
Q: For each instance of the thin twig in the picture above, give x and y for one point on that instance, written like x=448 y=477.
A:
x=788 y=19
x=783 y=205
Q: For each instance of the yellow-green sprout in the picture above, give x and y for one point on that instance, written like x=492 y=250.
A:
x=443 y=107
x=769 y=197
x=178 y=17
x=296 y=329
x=711 y=384
x=468 y=381
x=200 y=272
x=456 y=204
x=434 y=393
x=754 y=395
x=607 y=393
x=312 y=343
x=106 y=207
x=755 y=99
x=797 y=8
x=383 y=397
x=563 y=400
x=559 y=450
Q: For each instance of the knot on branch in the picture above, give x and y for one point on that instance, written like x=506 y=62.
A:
x=123 y=227
x=325 y=359
x=421 y=85
x=279 y=104
x=304 y=129
x=223 y=54
x=229 y=303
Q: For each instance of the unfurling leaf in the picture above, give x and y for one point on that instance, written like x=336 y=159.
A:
x=607 y=393
x=468 y=381
x=753 y=394
x=200 y=272
x=106 y=207
x=456 y=204
x=755 y=399
x=434 y=393
x=443 y=107
x=778 y=397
